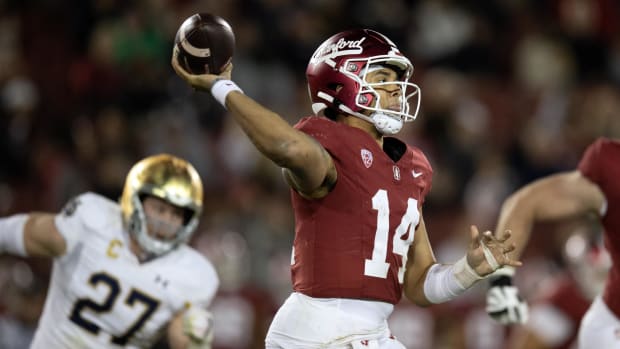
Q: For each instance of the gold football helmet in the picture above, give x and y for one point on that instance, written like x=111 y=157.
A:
x=171 y=179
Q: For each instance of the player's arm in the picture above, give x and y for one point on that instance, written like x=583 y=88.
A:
x=308 y=166
x=426 y=282
x=555 y=197
x=191 y=329
x=33 y=234
x=420 y=258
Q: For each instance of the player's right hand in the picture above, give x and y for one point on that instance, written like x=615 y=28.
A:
x=202 y=82
x=504 y=304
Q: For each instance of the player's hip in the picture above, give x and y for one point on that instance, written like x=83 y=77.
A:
x=600 y=328
x=306 y=322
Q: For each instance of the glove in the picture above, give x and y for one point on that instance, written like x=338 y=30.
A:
x=504 y=304
x=198 y=326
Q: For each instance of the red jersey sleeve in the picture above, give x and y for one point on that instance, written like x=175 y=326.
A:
x=590 y=162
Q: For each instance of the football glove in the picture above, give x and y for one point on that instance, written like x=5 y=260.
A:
x=504 y=304
x=198 y=326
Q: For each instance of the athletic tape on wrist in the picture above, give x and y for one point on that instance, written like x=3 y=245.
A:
x=465 y=274
x=221 y=88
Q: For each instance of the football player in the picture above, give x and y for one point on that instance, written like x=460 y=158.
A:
x=122 y=274
x=592 y=189
x=357 y=194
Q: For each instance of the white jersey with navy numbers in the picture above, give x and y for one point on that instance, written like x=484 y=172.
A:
x=101 y=296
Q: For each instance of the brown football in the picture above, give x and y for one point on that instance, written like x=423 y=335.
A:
x=206 y=44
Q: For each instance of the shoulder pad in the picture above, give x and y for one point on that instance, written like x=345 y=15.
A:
x=199 y=277
x=94 y=210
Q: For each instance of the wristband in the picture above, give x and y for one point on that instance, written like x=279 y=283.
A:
x=441 y=285
x=221 y=88
x=12 y=234
x=446 y=282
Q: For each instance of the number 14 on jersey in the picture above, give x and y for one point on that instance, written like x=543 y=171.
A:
x=378 y=266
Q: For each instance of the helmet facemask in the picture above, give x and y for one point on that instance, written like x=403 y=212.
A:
x=151 y=245
x=387 y=121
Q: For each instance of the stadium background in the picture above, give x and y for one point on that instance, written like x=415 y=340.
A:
x=511 y=90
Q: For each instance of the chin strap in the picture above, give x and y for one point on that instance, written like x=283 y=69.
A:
x=385 y=124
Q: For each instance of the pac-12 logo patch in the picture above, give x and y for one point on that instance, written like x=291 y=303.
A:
x=366 y=157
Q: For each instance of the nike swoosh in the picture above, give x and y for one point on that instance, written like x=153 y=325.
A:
x=416 y=174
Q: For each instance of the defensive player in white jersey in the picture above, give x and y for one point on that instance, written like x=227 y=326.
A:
x=122 y=274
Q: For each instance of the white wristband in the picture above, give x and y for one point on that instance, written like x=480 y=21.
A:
x=440 y=284
x=12 y=234
x=221 y=89
x=446 y=282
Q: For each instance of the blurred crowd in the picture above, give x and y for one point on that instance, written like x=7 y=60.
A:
x=511 y=90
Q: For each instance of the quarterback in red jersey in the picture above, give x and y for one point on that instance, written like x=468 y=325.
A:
x=357 y=194
x=592 y=189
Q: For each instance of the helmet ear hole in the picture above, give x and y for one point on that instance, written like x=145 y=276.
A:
x=334 y=87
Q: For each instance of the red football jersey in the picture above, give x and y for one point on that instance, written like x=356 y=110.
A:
x=568 y=299
x=353 y=243
x=601 y=164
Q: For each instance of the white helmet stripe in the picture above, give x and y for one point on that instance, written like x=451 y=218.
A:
x=193 y=50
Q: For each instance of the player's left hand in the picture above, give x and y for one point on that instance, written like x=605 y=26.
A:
x=202 y=82
x=487 y=253
x=198 y=326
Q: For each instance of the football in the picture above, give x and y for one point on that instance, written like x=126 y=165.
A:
x=206 y=44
